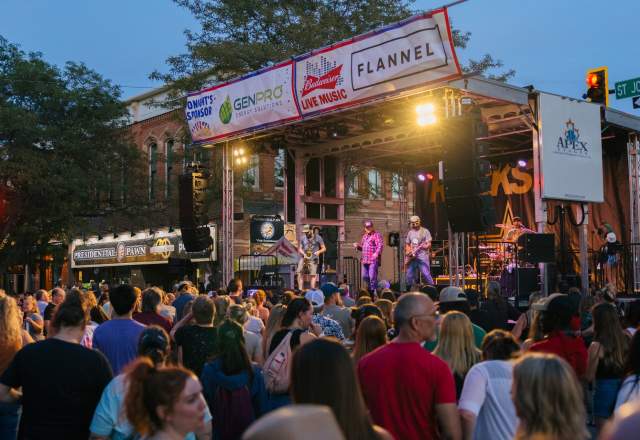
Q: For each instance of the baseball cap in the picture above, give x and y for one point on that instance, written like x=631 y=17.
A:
x=306 y=228
x=452 y=294
x=368 y=223
x=611 y=237
x=414 y=219
x=315 y=297
x=328 y=289
x=553 y=302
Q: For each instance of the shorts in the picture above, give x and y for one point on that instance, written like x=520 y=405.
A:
x=604 y=397
x=313 y=267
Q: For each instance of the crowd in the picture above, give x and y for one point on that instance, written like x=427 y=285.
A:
x=121 y=363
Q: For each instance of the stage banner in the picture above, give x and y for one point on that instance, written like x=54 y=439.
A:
x=410 y=54
x=570 y=150
x=254 y=101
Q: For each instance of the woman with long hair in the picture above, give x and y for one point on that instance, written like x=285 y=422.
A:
x=79 y=376
x=372 y=333
x=456 y=346
x=297 y=320
x=322 y=373
x=630 y=388
x=12 y=338
x=498 y=308
x=252 y=341
x=274 y=323
x=108 y=422
x=485 y=405
x=222 y=304
x=232 y=385
x=606 y=360
x=386 y=307
x=548 y=399
x=33 y=322
x=163 y=402
x=535 y=331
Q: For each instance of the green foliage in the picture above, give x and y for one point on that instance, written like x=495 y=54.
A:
x=65 y=161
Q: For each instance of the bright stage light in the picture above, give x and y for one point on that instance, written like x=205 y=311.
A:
x=429 y=176
x=522 y=163
x=421 y=177
x=426 y=114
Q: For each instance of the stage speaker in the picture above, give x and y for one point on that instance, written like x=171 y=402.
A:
x=179 y=266
x=527 y=279
x=536 y=248
x=470 y=213
x=393 y=239
x=196 y=239
x=191 y=192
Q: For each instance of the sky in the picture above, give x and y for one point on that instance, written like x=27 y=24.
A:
x=550 y=43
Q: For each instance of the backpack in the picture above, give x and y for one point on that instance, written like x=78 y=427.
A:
x=277 y=367
x=232 y=412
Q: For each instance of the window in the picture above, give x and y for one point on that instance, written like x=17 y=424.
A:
x=251 y=178
x=374 y=178
x=153 y=169
x=352 y=184
x=279 y=161
x=397 y=186
x=168 y=164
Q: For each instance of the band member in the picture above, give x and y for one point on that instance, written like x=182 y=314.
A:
x=416 y=249
x=517 y=229
x=310 y=247
x=371 y=247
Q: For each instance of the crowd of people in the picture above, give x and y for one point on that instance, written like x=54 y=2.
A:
x=121 y=363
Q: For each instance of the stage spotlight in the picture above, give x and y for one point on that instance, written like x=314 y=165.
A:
x=522 y=163
x=429 y=176
x=426 y=114
x=421 y=177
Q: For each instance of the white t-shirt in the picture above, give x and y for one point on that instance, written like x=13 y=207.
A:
x=629 y=391
x=252 y=343
x=487 y=394
x=254 y=325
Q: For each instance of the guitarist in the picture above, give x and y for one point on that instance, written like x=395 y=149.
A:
x=416 y=249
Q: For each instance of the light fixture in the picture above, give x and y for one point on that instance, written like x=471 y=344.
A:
x=421 y=177
x=171 y=229
x=429 y=176
x=426 y=114
x=522 y=163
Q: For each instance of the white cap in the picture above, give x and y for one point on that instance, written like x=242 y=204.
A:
x=414 y=219
x=315 y=297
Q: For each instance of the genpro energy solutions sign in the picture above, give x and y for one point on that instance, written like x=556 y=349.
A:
x=570 y=150
x=413 y=53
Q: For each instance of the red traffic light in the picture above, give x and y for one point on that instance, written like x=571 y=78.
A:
x=593 y=80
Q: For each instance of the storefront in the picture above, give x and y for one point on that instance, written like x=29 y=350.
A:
x=141 y=259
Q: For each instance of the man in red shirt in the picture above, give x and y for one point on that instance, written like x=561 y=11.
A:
x=409 y=391
x=557 y=312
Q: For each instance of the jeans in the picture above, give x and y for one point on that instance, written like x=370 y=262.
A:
x=370 y=275
x=604 y=397
x=417 y=267
x=9 y=419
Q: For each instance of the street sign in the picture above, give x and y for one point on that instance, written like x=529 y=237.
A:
x=628 y=88
x=636 y=101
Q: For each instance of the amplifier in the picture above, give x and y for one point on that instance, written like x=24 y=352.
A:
x=536 y=248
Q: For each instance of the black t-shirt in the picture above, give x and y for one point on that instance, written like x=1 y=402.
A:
x=498 y=315
x=279 y=336
x=198 y=346
x=48 y=311
x=61 y=385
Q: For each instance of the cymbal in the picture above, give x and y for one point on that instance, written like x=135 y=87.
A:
x=502 y=225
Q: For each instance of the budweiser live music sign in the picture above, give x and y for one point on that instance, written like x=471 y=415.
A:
x=407 y=55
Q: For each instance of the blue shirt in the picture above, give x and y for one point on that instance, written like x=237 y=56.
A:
x=117 y=339
x=330 y=327
x=180 y=302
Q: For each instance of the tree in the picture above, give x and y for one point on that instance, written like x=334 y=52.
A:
x=239 y=36
x=66 y=165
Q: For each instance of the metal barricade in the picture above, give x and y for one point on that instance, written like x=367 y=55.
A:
x=250 y=268
x=351 y=273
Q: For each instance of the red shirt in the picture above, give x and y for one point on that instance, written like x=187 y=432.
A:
x=401 y=384
x=569 y=348
x=150 y=318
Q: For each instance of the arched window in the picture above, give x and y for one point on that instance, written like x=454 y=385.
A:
x=168 y=167
x=153 y=169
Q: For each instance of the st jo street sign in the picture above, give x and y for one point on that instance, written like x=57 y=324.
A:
x=628 y=88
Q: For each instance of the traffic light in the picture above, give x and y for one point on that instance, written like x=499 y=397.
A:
x=597 y=86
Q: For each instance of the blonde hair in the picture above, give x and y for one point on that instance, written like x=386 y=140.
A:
x=372 y=333
x=10 y=326
x=456 y=343
x=274 y=323
x=548 y=398
x=222 y=304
